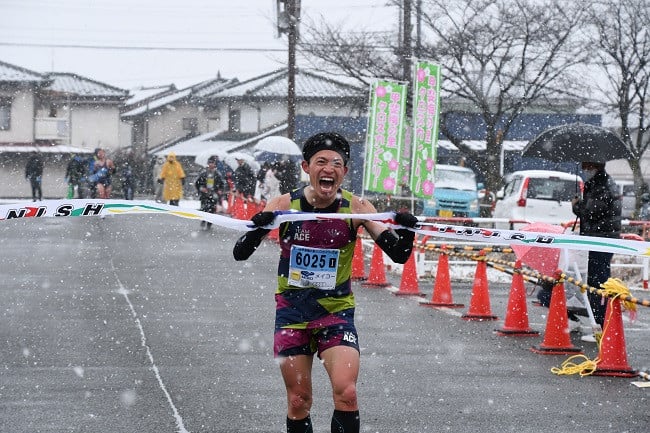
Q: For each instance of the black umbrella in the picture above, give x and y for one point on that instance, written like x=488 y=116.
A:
x=577 y=142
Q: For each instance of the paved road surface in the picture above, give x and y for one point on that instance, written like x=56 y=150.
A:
x=141 y=324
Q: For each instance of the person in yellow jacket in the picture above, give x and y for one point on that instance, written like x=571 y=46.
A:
x=172 y=176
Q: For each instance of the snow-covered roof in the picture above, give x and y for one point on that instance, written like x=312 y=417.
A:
x=32 y=147
x=140 y=94
x=12 y=73
x=479 y=145
x=204 y=142
x=157 y=103
x=200 y=90
x=63 y=82
x=274 y=85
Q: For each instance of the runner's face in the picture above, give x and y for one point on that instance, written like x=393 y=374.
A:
x=326 y=171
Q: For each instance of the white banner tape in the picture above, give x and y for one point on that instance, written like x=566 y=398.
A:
x=97 y=207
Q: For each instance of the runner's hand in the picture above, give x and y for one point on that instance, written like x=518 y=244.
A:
x=406 y=219
x=262 y=219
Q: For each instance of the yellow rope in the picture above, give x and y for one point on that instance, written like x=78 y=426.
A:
x=613 y=288
x=568 y=367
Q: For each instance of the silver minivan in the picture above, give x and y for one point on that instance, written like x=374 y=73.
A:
x=537 y=196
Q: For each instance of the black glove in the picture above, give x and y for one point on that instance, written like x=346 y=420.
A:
x=406 y=219
x=160 y=181
x=262 y=219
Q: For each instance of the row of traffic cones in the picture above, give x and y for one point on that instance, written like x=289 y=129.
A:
x=612 y=352
x=244 y=209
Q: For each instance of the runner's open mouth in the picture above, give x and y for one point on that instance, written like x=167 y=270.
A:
x=326 y=182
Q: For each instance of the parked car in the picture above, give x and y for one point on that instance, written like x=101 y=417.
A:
x=455 y=193
x=537 y=196
x=628 y=200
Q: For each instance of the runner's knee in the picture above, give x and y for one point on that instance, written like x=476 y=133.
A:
x=300 y=401
x=346 y=395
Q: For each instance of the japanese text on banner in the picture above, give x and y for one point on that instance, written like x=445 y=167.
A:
x=426 y=107
x=384 y=137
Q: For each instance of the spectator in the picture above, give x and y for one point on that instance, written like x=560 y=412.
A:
x=288 y=175
x=599 y=211
x=157 y=167
x=172 y=177
x=101 y=174
x=244 y=179
x=34 y=173
x=127 y=180
x=75 y=175
x=209 y=185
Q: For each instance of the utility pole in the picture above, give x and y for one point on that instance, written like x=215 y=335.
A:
x=288 y=16
x=291 y=91
x=406 y=51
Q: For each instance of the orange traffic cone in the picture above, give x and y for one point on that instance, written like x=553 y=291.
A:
x=231 y=204
x=358 y=266
x=612 y=355
x=479 y=304
x=516 y=321
x=238 y=210
x=377 y=276
x=251 y=208
x=274 y=235
x=441 y=296
x=556 y=337
x=408 y=286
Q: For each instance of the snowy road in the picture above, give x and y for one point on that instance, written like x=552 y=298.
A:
x=145 y=324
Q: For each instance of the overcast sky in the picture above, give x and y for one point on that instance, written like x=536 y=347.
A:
x=38 y=35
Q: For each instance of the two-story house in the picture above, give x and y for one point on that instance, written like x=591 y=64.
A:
x=243 y=113
x=56 y=114
x=170 y=115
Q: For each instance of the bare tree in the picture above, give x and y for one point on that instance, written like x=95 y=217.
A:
x=498 y=57
x=623 y=39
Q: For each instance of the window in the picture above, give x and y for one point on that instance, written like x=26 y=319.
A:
x=5 y=114
x=234 y=121
x=190 y=124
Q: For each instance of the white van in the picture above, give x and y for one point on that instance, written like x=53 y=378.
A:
x=537 y=196
x=628 y=199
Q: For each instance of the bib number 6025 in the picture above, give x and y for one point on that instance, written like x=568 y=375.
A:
x=314 y=260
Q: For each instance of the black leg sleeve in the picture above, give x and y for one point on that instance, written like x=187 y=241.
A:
x=248 y=243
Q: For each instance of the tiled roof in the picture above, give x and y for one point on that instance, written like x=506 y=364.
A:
x=209 y=87
x=274 y=85
x=43 y=147
x=84 y=87
x=14 y=73
x=155 y=104
x=200 y=90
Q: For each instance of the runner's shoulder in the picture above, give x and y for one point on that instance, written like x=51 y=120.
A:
x=282 y=202
x=362 y=205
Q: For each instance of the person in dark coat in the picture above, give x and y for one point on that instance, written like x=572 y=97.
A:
x=599 y=211
x=34 y=173
x=244 y=179
x=76 y=173
x=209 y=185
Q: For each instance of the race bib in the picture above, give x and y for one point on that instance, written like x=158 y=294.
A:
x=313 y=267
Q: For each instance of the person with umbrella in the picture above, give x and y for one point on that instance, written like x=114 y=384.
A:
x=599 y=211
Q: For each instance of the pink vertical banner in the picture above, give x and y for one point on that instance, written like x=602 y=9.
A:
x=384 y=137
x=426 y=117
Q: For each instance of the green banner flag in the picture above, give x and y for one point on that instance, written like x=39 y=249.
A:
x=384 y=137
x=426 y=115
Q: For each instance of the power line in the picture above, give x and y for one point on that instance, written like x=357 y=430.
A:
x=142 y=48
